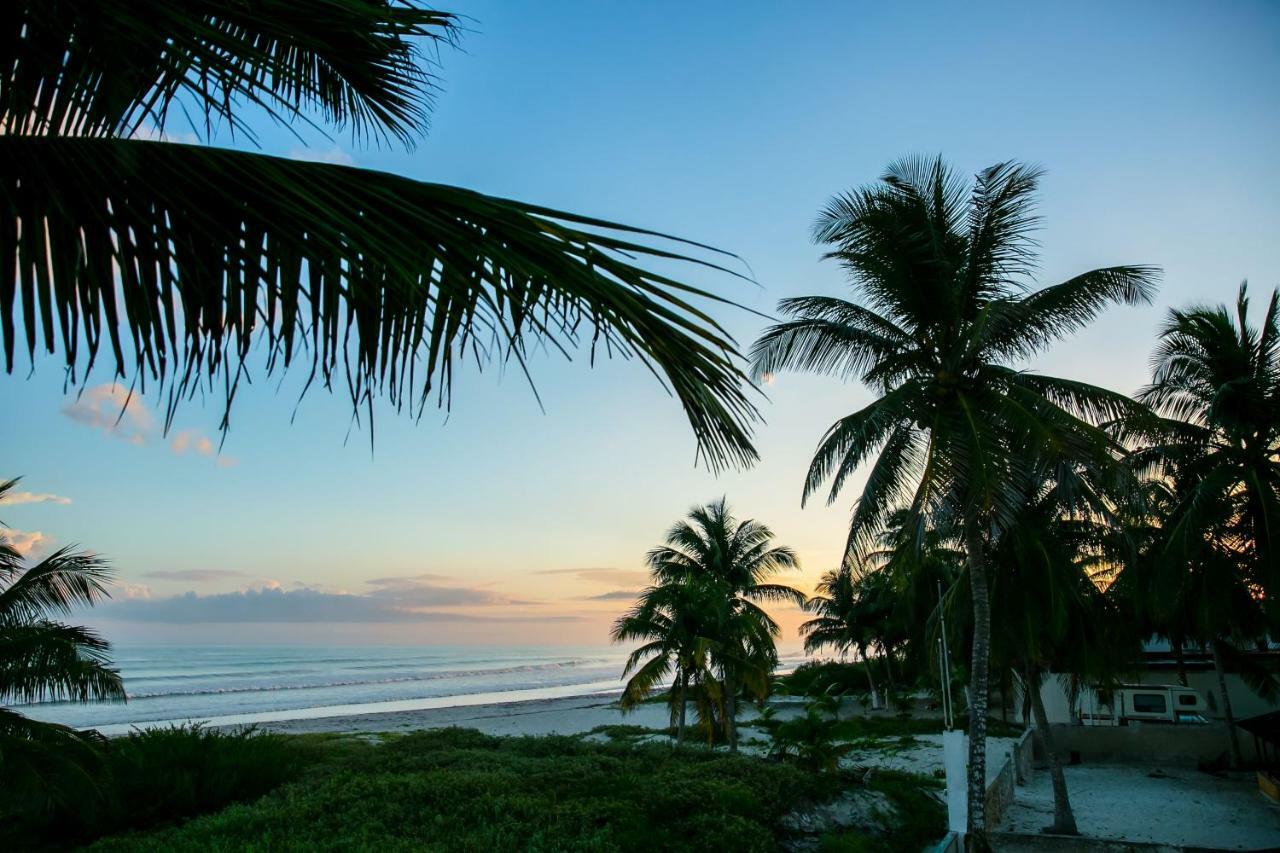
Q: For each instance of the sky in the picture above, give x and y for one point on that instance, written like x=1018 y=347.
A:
x=729 y=123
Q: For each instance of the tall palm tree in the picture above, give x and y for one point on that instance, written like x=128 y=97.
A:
x=178 y=259
x=43 y=659
x=1214 y=454
x=943 y=322
x=1217 y=385
x=722 y=569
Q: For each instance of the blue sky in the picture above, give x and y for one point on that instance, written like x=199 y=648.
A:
x=730 y=123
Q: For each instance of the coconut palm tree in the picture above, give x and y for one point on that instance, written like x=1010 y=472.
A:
x=669 y=621
x=1054 y=617
x=719 y=569
x=845 y=617
x=943 y=324
x=1193 y=592
x=1217 y=385
x=178 y=260
x=43 y=659
x=1213 y=456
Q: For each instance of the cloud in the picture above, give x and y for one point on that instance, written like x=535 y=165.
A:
x=129 y=591
x=616 y=595
x=114 y=410
x=334 y=155
x=151 y=134
x=191 y=439
x=268 y=605
x=195 y=441
x=26 y=542
x=609 y=575
x=15 y=498
x=417 y=591
x=194 y=575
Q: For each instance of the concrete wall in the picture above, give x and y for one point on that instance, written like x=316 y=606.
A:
x=1014 y=769
x=1149 y=743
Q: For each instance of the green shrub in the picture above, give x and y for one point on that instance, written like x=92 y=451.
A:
x=163 y=775
x=459 y=790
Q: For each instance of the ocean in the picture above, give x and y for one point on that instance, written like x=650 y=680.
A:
x=225 y=685
x=229 y=685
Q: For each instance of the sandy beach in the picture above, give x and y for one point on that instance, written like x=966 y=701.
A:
x=561 y=716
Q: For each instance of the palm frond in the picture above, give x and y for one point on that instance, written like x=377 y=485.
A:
x=59 y=583
x=112 y=67
x=190 y=254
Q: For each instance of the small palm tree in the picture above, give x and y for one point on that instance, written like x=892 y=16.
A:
x=849 y=615
x=43 y=659
x=668 y=622
x=703 y=616
x=944 y=323
x=181 y=259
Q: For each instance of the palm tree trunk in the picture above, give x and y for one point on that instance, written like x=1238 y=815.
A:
x=731 y=713
x=684 y=702
x=871 y=680
x=891 y=687
x=979 y=663
x=1064 y=821
x=1181 y=660
x=1236 y=758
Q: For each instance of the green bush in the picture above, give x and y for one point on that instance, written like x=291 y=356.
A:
x=460 y=790
x=163 y=775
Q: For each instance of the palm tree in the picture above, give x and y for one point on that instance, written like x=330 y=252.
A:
x=943 y=320
x=1217 y=385
x=1214 y=454
x=1193 y=591
x=179 y=259
x=718 y=569
x=1053 y=616
x=43 y=659
x=668 y=621
x=844 y=621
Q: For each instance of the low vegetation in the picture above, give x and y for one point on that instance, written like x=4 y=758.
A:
x=457 y=789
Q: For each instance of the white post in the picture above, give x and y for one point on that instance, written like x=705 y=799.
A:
x=955 y=758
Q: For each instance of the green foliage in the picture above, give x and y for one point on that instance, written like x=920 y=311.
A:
x=810 y=739
x=45 y=767
x=701 y=622
x=460 y=790
x=157 y=776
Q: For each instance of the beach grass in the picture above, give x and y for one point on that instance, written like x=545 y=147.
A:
x=458 y=789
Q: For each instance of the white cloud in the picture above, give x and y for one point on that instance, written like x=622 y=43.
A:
x=15 y=498
x=26 y=542
x=334 y=155
x=114 y=410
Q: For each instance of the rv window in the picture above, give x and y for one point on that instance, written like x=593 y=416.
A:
x=1149 y=703
x=1186 y=699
